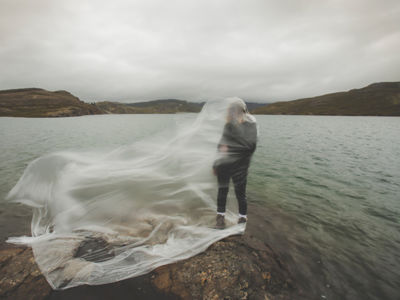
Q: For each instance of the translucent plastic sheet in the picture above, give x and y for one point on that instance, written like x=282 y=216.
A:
x=103 y=217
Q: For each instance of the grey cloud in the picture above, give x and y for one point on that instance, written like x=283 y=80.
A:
x=142 y=50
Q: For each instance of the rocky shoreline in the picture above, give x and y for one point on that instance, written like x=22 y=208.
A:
x=237 y=267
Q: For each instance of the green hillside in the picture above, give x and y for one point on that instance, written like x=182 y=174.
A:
x=33 y=102
x=377 y=99
x=166 y=106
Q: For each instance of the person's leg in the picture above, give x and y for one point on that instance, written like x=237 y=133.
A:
x=223 y=176
x=239 y=179
x=223 y=188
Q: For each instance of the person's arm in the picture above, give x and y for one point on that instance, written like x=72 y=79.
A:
x=243 y=139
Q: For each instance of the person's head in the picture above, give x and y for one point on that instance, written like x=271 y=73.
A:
x=236 y=111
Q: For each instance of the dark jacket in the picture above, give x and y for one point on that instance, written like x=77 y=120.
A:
x=241 y=140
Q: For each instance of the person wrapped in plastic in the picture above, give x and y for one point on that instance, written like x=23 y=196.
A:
x=236 y=147
x=103 y=216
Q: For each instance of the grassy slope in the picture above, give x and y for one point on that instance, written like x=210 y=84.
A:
x=41 y=103
x=378 y=99
x=168 y=106
x=165 y=106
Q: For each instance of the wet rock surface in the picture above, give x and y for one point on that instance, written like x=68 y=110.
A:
x=87 y=250
x=238 y=267
x=20 y=278
x=234 y=268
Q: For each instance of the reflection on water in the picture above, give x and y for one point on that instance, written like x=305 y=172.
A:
x=328 y=187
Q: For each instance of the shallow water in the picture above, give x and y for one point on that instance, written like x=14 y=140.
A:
x=328 y=188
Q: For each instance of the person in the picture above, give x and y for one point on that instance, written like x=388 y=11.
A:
x=235 y=149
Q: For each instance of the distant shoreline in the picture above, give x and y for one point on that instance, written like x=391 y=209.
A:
x=377 y=99
x=289 y=115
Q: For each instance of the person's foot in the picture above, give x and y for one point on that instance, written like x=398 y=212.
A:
x=242 y=220
x=220 y=222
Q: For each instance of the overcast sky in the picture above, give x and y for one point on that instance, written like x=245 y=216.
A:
x=195 y=50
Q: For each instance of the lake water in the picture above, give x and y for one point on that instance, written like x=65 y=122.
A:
x=325 y=191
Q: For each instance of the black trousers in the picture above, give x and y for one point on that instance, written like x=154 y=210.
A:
x=238 y=173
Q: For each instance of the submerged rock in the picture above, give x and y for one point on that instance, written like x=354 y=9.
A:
x=95 y=250
x=238 y=267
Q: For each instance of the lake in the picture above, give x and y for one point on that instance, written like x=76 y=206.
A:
x=327 y=189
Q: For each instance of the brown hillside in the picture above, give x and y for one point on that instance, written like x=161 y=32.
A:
x=35 y=102
x=377 y=99
x=165 y=106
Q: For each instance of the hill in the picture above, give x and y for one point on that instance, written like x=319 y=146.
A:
x=377 y=99
x=34 y=102
x=166 y=106
x=163 y=106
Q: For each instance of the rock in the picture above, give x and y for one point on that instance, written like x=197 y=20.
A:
x=87 y=250
x=234 y=268
x=238 y=267
x=20 y=276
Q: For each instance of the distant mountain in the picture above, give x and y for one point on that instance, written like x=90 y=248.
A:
x=33 y=102
x=165 y=106
x=253 y=105
x=377 y=99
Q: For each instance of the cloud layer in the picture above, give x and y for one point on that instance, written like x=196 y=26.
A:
x=140 y=50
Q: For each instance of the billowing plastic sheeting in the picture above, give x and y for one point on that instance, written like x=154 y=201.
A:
x=102 y=217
